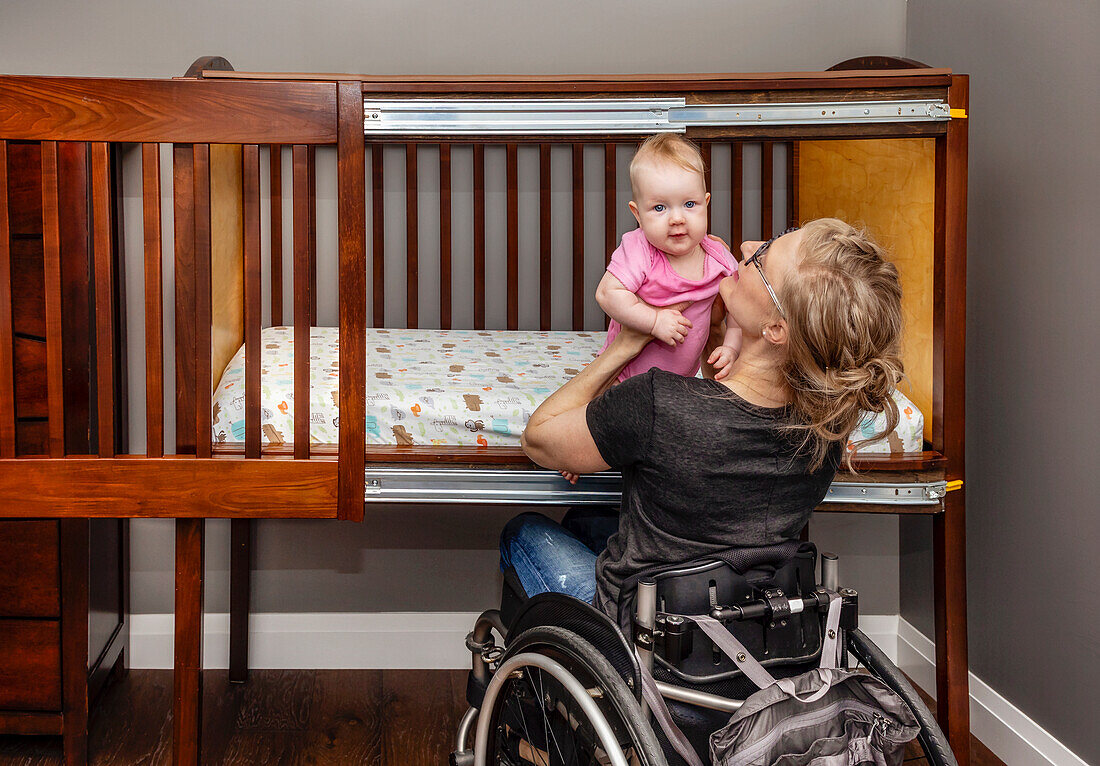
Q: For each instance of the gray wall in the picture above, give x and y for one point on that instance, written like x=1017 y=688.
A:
x=411 y=550
x=1033 y=330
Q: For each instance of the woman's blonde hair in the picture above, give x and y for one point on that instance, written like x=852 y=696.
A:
x=844 y=326
x=666 y=147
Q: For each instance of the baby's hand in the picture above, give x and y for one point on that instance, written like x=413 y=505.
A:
x=721 y=359
x=670 y=326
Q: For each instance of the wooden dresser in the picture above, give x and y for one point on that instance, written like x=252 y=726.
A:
x=63 y=584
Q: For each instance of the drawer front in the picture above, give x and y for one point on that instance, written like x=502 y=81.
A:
x=29 y=573
x=30 y=664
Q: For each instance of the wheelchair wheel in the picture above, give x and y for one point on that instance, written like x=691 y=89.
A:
x=554 y=700
x=931 y=738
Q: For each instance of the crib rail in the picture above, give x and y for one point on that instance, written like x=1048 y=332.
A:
x=213 y=133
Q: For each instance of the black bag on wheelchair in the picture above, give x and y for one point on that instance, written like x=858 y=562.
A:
x=825 y=717
x=822 y=715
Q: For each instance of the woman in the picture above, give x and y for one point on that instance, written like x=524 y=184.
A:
x=711 y=465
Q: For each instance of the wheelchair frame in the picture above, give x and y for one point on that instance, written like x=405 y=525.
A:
x=491 y=669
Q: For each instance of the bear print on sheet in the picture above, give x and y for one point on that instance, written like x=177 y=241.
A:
x=402 y=436
x=274 y=438
x=473 y=402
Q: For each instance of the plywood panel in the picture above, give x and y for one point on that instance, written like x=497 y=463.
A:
x=888 y=186
x=226 y=256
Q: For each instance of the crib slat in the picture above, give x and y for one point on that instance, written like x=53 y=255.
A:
x=302 y=301
x=311 y=166
x=479 y=236
x=183 y=190
x=544 y=237
x=275 y=164
x=792 y=184
x=610 y=228
x=512 y=173
x=250 y=160
x=445 y=236
x=578 y=237
x=7 y=379
x=154 y=301
x=104 y=301
x=704 y=149
x=203 y=374
x=378 y=234
x=766 y=156
x=412 y=236
x=737 y=198
x=51 y=244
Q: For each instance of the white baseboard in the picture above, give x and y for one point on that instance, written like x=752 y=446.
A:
x=1001 y=726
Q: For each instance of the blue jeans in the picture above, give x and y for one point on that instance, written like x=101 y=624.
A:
x=559 y=558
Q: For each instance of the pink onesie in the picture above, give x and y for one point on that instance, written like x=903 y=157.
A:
x=645 y=271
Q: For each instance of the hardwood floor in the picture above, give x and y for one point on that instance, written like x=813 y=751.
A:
x=291 y=717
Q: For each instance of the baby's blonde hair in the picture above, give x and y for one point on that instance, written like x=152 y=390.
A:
x=666 y=147
x=844 y=324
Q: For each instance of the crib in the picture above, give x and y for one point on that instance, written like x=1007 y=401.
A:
x=233 y=157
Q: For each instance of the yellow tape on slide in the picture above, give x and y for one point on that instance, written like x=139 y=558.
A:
x=958 y=114
x=953 y=485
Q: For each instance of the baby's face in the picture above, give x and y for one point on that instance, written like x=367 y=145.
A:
x=671 y=207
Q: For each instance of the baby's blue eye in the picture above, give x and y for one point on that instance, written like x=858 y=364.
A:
x=689 y=204
x=658 y=208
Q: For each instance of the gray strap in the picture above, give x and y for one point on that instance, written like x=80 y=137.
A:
x=787 y=685
x=830 y=646
x=660 y=710
x=735 y=650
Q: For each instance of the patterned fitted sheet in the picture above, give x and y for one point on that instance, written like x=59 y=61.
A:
x=436 y=387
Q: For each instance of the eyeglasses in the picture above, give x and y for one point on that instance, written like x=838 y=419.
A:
x=754 y=259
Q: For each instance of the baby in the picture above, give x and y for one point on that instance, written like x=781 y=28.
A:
x=667 y=262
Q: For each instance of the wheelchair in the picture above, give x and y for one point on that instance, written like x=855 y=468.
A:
x=566 y=685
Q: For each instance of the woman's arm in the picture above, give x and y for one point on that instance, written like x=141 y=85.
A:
x=557 y=434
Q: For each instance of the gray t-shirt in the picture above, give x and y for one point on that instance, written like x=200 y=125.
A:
x=703 y=471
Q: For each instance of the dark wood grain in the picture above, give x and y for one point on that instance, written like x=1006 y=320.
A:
x=24 y=179
x=311 y=186
x=445 y=236
x=705 y=150
x=187 y=670
x=29 y=365
x=349 y=716
x=792 y=185
x=203 y=310
x=183 y=205
x=30 y=664
x=250 y=160
x=7 y=389
x=512 y=228
x=75 y=556
x=154 y=301
x=51 y=241
x=167 y=487
x=353 y=294
x=275 y=175
x=378 y=233
x=240 y=592
x=32 y=437
x=29 y=548
x=949 y=344
x=610 y=203
x=577 y=265
x=103 y=258
x=27 y=299
x=302 y=301
x=737 y=196
x=545 y=222
x=168 y=111
x=420 y=717
x=479 y=237
x=412 y=239
x=767 y=155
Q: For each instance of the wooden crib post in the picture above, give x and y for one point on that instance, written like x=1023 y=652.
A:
x=949 y=339
x=353 y=299
x=7 y=378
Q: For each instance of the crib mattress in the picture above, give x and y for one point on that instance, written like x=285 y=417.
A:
x=437 y=387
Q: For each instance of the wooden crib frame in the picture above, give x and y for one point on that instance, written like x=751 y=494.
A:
x=217 y=120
